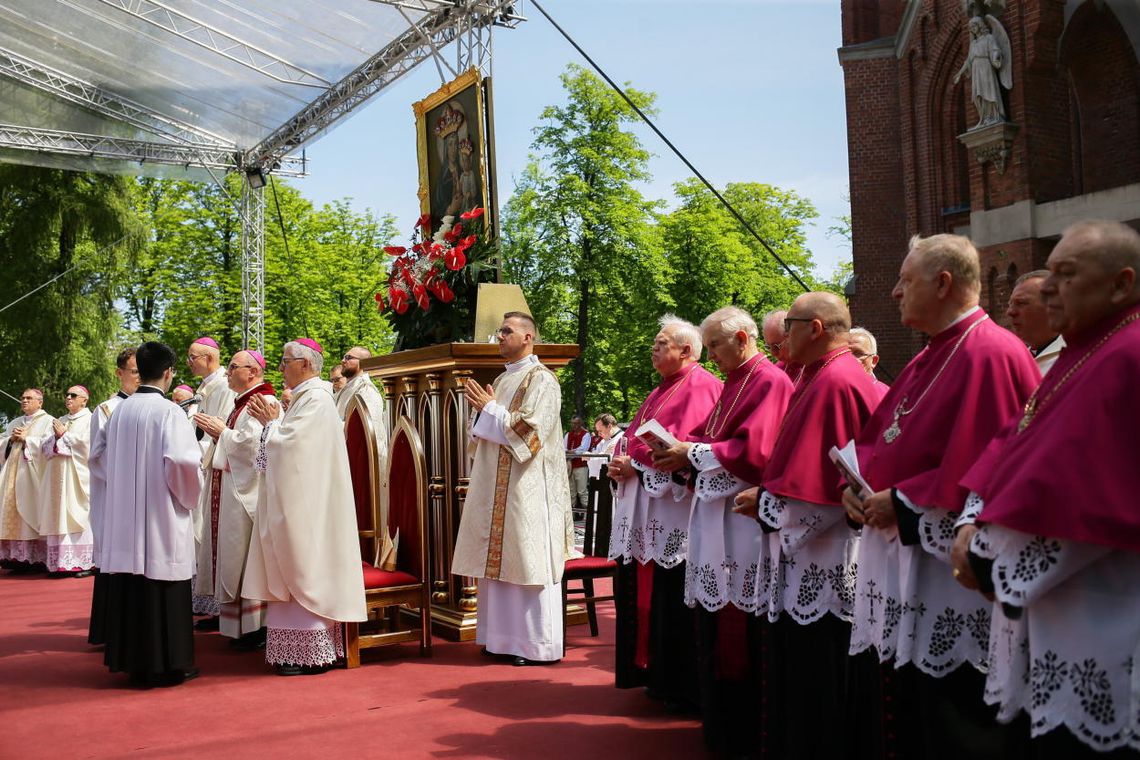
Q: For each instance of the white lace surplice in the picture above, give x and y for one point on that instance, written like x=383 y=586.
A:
x=651 y=519
x=1072 y=658
x=909 y=607
x=811 y=561
x=725 y=548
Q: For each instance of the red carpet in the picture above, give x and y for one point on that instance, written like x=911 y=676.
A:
x=58 y=701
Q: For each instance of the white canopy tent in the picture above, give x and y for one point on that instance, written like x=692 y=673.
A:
x=190 y=88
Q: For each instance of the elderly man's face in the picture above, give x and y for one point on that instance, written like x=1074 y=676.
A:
x=917 y=292
x=668 y=358
x=31 y=402
x=74 y=401
x=726 y=351
x=1026 y=311
x=243 y=372
x=861 y=350
x=293 y=370
x=777 y=340
x=1078 y=292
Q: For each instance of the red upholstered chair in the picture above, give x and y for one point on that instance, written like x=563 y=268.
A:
x=594 y=565
x=408 y=586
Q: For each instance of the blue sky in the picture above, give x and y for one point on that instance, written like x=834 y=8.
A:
x=749 y=90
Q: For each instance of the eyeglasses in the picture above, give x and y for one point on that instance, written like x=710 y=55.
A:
x=191 y=358
x=286 y=359
x=348 y=357
x=789 y=320
x=233 y=367
x=504 y=331
x=71 y=395
x=29 y=398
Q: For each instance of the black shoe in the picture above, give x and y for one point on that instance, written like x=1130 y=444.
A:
x=301 y=670
x=520 y=662
x=249 y=642
x=206 y=625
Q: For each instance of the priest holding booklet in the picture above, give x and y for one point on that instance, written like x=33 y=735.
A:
x=727 y=453
x=656 y=646
x=810 y=548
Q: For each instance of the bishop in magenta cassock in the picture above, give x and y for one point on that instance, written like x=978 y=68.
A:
x=65 y=489
x=811 y=549
x=150 y=466
x=1056 y=500
x=127 y=373
x=515 y=533
x=656 y=644
x=726 y=454
x=229 y=501
x=304 y=555
x=928 y=430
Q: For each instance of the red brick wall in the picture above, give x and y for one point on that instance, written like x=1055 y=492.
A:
x=1075 y=99
x=1105 y=92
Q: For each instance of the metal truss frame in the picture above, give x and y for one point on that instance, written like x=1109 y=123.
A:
x=224 y=44
x=253 y=265
x=467 y=23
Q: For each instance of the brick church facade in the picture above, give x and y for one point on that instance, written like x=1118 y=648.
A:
x=1068 y=149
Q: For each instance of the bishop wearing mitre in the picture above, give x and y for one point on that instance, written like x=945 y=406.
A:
x=22 y=466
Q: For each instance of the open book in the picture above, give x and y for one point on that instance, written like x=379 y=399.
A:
x=847 y=463
x=653 y=435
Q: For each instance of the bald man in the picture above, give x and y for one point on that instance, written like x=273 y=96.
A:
x=800 y=507
x=929 y=429
x=229 y=502
x=1058 y=546
x=65 y=502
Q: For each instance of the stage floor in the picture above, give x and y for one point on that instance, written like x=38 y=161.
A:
x=57 y=700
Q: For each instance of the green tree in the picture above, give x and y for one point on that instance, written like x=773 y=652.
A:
x=77 y=228
x=580 y=238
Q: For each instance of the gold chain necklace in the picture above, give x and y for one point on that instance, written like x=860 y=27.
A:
x=711 y=429
x=894 y=431
x=798 y=396
x=672 y=393
x=1032 y=405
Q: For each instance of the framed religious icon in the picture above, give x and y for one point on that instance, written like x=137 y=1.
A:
x=452 y=146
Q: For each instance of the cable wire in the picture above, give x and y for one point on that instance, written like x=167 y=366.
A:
x=672 y=147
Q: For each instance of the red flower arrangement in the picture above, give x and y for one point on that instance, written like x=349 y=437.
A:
x=444 y=266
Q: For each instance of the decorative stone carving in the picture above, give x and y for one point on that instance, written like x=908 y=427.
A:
x=991 y=144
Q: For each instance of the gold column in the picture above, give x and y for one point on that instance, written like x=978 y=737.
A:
x=468 y=597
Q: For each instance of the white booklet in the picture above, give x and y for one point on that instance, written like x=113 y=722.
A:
x=653 y=435
x=848 y=464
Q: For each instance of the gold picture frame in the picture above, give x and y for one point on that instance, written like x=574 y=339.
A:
x=452 y=149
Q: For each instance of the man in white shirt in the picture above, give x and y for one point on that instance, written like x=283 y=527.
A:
x=578 y=441
x=1029 y=321
x=151 y=469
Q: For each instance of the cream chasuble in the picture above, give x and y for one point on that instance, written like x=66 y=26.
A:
x=362 y=386
x=233 y=456
x=23 y=464
x=65 y=488
x=305 y=546
x=516 y=525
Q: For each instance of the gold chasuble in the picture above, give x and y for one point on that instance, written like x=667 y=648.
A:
x=516 y=525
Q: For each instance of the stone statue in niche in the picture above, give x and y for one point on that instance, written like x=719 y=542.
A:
x=990 y=64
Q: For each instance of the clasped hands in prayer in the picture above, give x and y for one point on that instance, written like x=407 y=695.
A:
x=261 y=408
x=477 y=395
x=212 y=426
